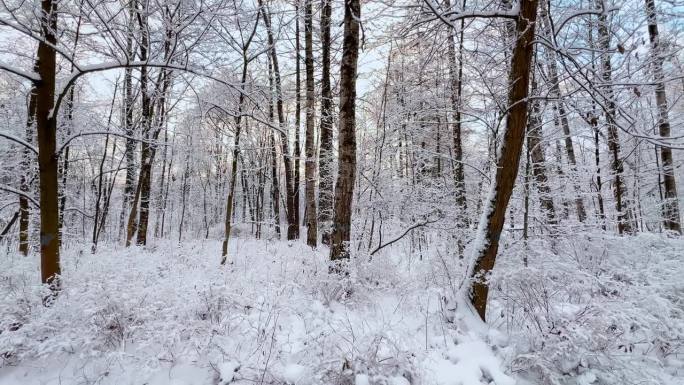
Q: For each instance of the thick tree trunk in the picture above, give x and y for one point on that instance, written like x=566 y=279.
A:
x=147 y=148
x=346 y=175
x=325 y=155
x=48 y=159
x=310 y=171
x=671 y=218
x=509 y=156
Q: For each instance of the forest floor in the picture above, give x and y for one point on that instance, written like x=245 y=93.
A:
x=588 y=309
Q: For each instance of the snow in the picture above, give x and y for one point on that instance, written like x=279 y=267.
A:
x=169 y=314
x=227 y=372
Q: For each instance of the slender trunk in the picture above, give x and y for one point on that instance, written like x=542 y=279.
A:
x=100 y=176
x=236 y=144
x=310 y=170
x=619 y=189
x=24 y=209
x=275 y=185
x=538 y=159
x=298 y=121
x=9 y=225
x=671 y=218
x=160 y=196
x=292 y=224
x=129 y=100
x=346 y=175
x=456 y=76
x=559 y=106
x=493 y=217
x=325 y=156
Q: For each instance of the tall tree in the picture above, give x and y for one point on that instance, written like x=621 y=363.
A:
x=562 y=114
x=456 y=77
x=298 y=116
x=494 y=215
x=246 y=59
x=128 y=105
x=24 y=210
x=48 y=159
x=310 y=164
x=671 y=218
x=619 y=189
x=346 y=175
x=538 y=159
x=292 y=225
x=325 y=154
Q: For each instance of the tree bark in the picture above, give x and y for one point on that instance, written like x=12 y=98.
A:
x=456 y=77
x=671 y=218
x=619 y=189
x=310 y=163
x=346 y=175
x=559 y=105
x=24 y=209
x=292 y=224
x=298 y=122
x=509 y=155
x=236 y=143
x=538 y=159
x=48 y=159
x=325 y=155
x=129 y=129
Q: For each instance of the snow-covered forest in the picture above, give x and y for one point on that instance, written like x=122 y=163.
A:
x=341 y=192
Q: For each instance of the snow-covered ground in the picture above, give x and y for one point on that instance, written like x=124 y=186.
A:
x=587 y=310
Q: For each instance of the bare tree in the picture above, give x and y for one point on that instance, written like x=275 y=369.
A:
x=346 y=175
x=671 y=217
x=494 y=214
x=310 y=170
x=246 y=59
x=325 y=155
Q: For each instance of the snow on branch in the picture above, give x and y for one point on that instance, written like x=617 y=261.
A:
x=21 y=193
x=582 y=12
x=450 y=16
x=32 y=76
x=83 y=70
x=20 y=141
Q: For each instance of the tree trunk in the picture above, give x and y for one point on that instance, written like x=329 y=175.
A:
x=48 y=159
x=129 y=100
x=508 y=160
x=671 y=218
x=236 y=146
x=346 y=175
x=292 y=224
x=298 y=122
x=325 y=155
x=310 y=171
x=559 y=105
x=456 y=77
x=619 y=189
x=538 y=160
x=24 y=209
